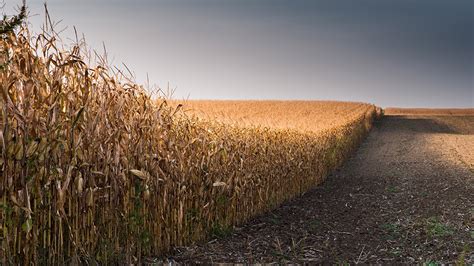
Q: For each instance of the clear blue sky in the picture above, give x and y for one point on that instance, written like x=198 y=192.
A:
x=408 y=53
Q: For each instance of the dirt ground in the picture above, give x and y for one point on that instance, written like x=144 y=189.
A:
x=407 y=195
x=429 y=111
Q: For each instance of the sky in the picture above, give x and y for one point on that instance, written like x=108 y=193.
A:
x=405 y=53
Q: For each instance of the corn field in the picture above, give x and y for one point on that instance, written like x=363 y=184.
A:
x=303 y=116
x=94 y=170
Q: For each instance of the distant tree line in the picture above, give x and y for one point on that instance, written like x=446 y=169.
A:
x=8 y=24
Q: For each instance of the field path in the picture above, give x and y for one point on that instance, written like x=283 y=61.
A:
x=407 y=195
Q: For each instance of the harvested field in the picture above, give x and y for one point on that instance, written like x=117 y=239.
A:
x=404 y=197
x=432 y=112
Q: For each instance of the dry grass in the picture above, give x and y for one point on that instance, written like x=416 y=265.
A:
x=427 y=111
x=93 y=170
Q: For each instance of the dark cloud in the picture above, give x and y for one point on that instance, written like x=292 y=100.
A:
x=402 y=53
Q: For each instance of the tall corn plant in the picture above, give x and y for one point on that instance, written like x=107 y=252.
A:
x=7 y=25
x=73 y=139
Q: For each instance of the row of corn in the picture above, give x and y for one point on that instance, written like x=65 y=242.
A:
x=93 y=170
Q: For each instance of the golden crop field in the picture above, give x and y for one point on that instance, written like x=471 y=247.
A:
x=303 y=116
x=93 y=170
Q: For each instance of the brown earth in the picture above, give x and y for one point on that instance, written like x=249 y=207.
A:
x=427 y=111
x=405 y=196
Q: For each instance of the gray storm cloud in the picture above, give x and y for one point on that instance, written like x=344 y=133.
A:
x=391 y=53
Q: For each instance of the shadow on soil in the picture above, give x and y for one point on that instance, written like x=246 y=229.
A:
x=432 y=124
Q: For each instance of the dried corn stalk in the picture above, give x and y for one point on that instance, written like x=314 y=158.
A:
x=92 y=169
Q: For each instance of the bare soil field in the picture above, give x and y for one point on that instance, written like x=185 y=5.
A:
x=406 y=196
x=426 y=111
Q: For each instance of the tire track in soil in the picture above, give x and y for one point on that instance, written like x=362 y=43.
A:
x=404 y=196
